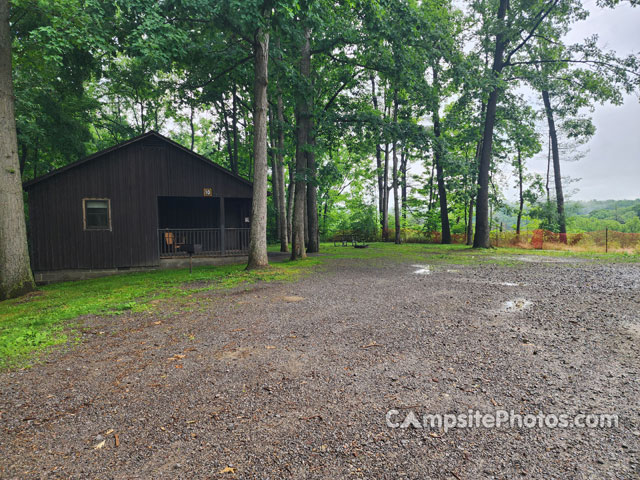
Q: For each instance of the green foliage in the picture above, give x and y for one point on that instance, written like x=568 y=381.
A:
x=92 y=73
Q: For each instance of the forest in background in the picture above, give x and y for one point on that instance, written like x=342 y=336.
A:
x=368 y=116
x=583 y=216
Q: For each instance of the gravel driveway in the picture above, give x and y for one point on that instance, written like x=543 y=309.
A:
x=294 y=380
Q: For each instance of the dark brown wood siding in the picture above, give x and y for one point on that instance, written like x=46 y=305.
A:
x=132 y=178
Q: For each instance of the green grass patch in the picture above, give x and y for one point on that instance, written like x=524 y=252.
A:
x=30 y=324
x=46 y=317
x=462 y=254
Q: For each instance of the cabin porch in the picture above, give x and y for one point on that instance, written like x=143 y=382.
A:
x=218 y=225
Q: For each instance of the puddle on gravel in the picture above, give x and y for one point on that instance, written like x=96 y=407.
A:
x=632 y=328
x=516 y=305
x=422 y=269
x=539 y=258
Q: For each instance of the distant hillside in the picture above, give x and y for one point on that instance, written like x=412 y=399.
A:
x=585 y=208
x=618 y=215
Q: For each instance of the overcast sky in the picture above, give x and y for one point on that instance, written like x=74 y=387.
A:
x=611 y=167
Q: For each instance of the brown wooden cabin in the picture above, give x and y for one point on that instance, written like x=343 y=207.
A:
x=133 y=204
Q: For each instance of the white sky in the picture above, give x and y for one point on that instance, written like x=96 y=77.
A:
x=611 y=167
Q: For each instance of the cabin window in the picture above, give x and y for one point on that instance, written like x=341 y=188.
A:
x=97 y=214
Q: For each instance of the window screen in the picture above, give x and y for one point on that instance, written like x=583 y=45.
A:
x=96 y=214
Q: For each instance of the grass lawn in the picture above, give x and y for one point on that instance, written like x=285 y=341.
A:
x=47 y=317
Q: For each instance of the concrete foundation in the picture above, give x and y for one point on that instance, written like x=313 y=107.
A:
x=55 y=276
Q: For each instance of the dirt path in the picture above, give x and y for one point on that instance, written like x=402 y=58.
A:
x=294 y=380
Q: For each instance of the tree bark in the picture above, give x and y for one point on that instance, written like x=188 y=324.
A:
x=474 y=174
x=470 y=222
x=282 y=208
x=385 y=191
x=430 y=205
x=403 y=172
x=191 y=125
x=234 y=120
x=521 y=205
x=313 y=245
x=553 y=134
x=15 y=273
x=302 y=135
x=378 y=153
x=483 y=230
x=290 y=202
x=258 y=231
x=274 y=172
x=437 y=155
x=396 y=198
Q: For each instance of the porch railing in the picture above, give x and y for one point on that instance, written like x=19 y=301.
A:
x=214 y=241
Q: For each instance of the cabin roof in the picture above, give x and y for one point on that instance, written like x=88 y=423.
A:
x=144 y=136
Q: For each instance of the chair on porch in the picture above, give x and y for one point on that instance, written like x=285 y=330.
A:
x=173 y=244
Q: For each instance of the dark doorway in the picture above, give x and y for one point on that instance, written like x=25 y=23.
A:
x=188 y=212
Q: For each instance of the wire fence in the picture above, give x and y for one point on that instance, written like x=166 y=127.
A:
x=597 y=241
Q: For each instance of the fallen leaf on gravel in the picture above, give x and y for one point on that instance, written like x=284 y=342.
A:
x=239 y=330
x=177 y=356
x=109 y=432
x=99 y=445
x=269 y=347
x=117 y=437
x=157 y=323
x=179 y=366
x=434 y=435
x=372 y=344
x=228 y=470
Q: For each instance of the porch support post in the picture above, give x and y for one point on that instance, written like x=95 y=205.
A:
x=222 y=232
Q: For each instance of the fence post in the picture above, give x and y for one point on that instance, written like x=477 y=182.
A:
x=606 y=240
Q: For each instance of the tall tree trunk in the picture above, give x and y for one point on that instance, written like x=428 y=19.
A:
x=521 y=205
x=15 y=273
x=403 y=172
x=313 y=245
x=562 y=223
x=430 y=205
x=324 y=216
x=548 y=170
x=385 y=200
x=482 y=239
x=306 y=215
x=282 y=208
x=290 y=202
x=234 y=120
x=438 y=158
x=274 y=171
x=474 y=174
x=378 y=153
x=396 y=197
x=225 y=118
x=470 y=222
x=302 y=134
x=258 y=232
x=191 y=125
